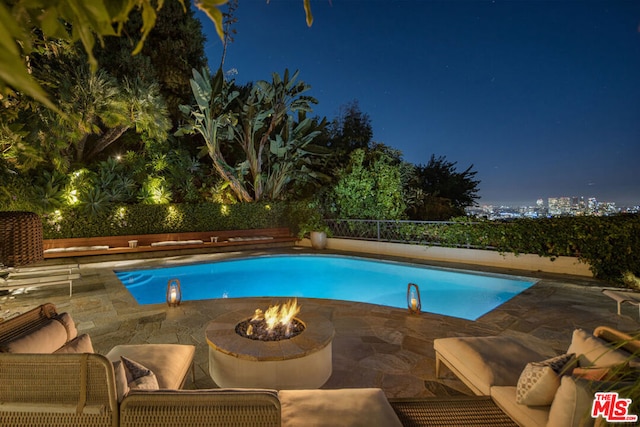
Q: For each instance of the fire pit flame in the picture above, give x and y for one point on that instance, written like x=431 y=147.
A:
x=278 y=322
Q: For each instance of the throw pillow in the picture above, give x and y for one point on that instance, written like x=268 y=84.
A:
x=572 y=404
x=81 y=344
x=138 y=376
x=46 y=339
x=69 y=325
x=617 y=373
x=591 y=374
x=539 y=381
x=122 y=385
x=594 y=352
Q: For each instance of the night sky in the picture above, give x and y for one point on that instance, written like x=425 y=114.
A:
x=542 y=97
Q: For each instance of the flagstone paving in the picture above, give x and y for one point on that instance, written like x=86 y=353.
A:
x=374 y=346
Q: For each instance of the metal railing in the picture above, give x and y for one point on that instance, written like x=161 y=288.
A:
x=401 y=231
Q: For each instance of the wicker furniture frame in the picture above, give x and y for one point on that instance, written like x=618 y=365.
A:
x=214 y=408
x=478 y=411
x=57 y=390
x=20 y=238
x=26 y=322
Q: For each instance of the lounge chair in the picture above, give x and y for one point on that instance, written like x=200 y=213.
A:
x=622 y=297
x=40 y=276
x=523 y=383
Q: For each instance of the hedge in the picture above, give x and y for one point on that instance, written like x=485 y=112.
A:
x=167 y=218
x=610 y=245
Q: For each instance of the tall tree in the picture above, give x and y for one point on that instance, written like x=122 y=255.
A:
x=439 y=191
x=229 y=19
x=170 y=52
x=350 y=130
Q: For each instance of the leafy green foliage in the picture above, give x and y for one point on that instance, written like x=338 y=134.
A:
x=274 y=148
x=98 y=109
x=48 y=191
x=120 y=220
x=74 y=21
x=369 y=188
x=171 y=50
x=610 y=245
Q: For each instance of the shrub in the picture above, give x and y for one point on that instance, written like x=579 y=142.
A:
x=153 y=219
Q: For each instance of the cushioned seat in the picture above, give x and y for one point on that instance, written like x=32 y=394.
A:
x=482 y=362
x=527 y=416
x=366 y=407
x=169 y=362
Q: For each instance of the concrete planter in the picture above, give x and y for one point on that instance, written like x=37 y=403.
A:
x=318 y=239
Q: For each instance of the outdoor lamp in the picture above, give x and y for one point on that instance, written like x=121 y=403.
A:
x=413 y=298
x=174 y=293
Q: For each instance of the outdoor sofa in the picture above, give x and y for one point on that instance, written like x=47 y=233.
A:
x=535 y=390
x=49 y=375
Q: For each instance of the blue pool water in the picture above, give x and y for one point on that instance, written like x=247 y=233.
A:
x=448 y=292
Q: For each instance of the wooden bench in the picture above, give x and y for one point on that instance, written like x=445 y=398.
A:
x=211 y=240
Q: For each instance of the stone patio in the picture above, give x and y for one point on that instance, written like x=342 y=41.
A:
x=374 y=346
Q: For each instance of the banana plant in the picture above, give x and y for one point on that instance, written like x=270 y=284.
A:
x=268 y=110
x=290 y=158
x=261 y=127
x=213 y=119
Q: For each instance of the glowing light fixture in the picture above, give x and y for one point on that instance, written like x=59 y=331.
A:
x=413 y=298
x=174 y=293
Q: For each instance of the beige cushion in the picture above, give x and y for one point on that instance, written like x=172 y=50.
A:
x=366 y=407
x=48 y=338
x=539 y=381
x=81 y=344
x=487 y=361
x=592 y=351
x=572 y=404
x=169 y=362
x=525 y=416
x=68 y=324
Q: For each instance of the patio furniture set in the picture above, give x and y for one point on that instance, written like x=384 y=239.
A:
x=49 y=375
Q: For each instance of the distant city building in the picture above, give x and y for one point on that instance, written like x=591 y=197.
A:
x=559 y=206
x=556 y=206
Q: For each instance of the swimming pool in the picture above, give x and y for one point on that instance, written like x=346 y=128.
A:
x=449 y=292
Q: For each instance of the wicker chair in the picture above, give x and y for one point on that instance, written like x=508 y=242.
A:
x=57 y=390
x=20 y=238
x=213 y=408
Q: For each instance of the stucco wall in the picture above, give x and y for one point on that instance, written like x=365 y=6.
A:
x=527 y=262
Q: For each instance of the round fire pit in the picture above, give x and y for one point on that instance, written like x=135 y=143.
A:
x=301 y=362
x=259 y=330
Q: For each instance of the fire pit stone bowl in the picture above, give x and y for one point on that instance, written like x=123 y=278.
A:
x=304 y=361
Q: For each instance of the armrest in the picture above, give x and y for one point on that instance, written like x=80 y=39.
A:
x=626 y=341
